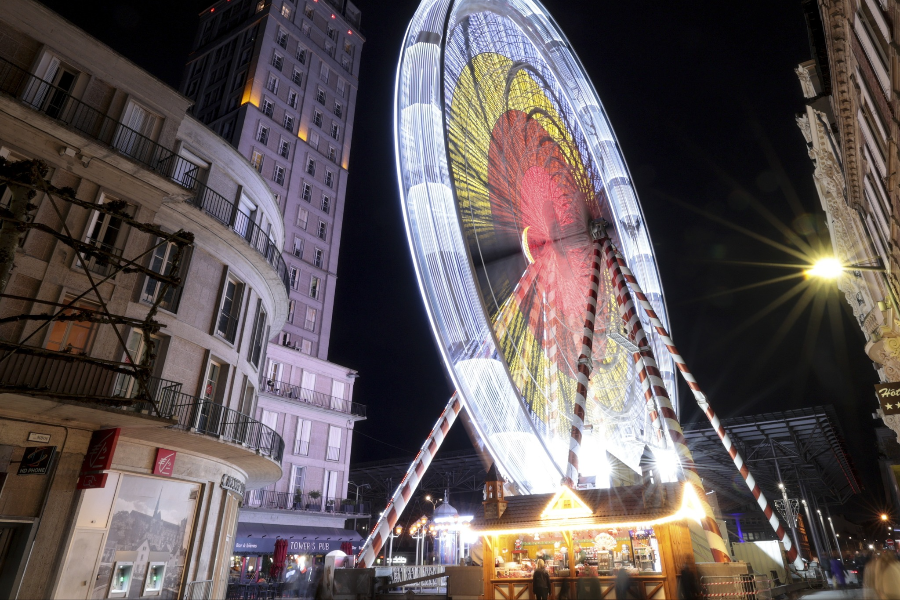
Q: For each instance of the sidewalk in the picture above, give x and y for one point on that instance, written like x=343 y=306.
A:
x=851 y=594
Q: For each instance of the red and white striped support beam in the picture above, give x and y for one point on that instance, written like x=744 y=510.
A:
x=585 y=366
x=653 y=385
x=392 y=512
x=703 y=403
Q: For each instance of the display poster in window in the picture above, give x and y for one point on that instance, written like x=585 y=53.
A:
x=889 y=397
x=36 y=460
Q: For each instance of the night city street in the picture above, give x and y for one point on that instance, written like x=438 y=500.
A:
x=470 y=299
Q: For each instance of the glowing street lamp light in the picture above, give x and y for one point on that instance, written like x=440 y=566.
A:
x=826 y=268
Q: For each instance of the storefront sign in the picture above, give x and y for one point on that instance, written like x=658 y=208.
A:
x=266 y=545
x=36 y=460
x=233 y=484
x=165 y=462
x=41 y=438
x=100 y=451
x=889 y=398
x=90 y=481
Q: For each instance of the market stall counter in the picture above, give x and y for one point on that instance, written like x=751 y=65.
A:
x=588 y=539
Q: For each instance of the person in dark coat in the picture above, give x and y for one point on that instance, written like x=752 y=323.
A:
x=623 y=582
x=540 y=581
x=588 y=587
x=689 y=584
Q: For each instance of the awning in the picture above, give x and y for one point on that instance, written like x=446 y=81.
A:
x=259 y=538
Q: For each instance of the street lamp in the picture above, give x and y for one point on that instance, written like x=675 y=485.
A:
x=826 y=268
x=358 y=487
x=398 y=531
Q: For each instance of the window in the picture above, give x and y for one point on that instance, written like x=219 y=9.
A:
x=314 y=139
x=103 y=233
x=292 y=99
x=229 y=311
x=278 y=175
x=338 y=109
x=314 y=287
x=298 y=248
x=306 y=347
x=258 y=339
x=161 y=262
x=211 y=381
x=332 y=32
x=324 y=73
x=297 y=77
x=348 y=47
x=345 y=62
x=326 y=203
x=334 y=443
x=139 y=126
x=308 y=382
x=268 y=107
x=269 y=419
x=322 y=232
x=278 y=61
x=311 y=166
x=337 y=395
x=284 y=148
x=332 y=154
x=288 y=122
x=341 y=87
x=335 y=130
x=285 y=12
x=329 y=48
x=256 y=160
x=298 y=474
x=291 y=308
x=239 y=80
x=245 y=56
x=310 y=322
x=282 y=37
x=301 y=438
x=301 y=55
x=331 y=490
x=320 y=95
x=73 y=336
x=272 y=84
x=309 y=12
x=329 y=178
x=295 y=277
x=247 y=398
x=306 y=192
x=305 y=29
x=317 y=118
x=302 y=218
x=285 y=339
x=318 y=259
x=262 y=134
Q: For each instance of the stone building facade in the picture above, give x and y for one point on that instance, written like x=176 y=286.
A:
x=161 y=517
x=850 y=125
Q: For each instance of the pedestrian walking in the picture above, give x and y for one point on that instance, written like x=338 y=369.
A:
x=837 y=572
x=540 y=581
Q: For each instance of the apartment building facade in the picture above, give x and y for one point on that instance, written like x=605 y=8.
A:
x=132 y=490
x=278 y=79
x=850 y=125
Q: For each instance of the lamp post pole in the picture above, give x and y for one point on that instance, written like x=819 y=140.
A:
x=788 y=509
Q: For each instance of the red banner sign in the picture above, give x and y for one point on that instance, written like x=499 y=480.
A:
x=89 y=481
x=165 y=462
x=100 y=451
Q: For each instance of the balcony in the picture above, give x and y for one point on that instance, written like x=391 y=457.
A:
x=318 y=399
x=60 y=106
x=272 y=500
x=53 y=386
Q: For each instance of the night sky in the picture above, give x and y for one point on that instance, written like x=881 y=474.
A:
x=703 y=101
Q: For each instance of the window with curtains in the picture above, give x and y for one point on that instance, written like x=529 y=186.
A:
x=333 y=452
x=301 y=438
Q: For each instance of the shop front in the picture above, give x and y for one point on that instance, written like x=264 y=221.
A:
x=586 y=538
x=255 y=551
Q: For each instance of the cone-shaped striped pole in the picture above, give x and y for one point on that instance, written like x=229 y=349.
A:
x=653 y=385
x=398 y=502
x=585 y=366
x=703 y=403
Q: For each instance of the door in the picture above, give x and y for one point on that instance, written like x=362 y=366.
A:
x=337 y=396
x=14 y=545
x=58 y=96
x=80 y=565
x=133 y=138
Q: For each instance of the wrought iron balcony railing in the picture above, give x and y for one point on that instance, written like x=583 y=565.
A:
x=272 y=500
x=318 y=399
x=59 y=105
x=209 y=418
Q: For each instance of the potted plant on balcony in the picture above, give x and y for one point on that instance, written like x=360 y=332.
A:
x=347 y=505
x=314 y=496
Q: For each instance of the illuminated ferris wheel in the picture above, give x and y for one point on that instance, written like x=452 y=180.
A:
x=506 y=159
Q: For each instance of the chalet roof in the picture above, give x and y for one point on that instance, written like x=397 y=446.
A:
x=618 y=505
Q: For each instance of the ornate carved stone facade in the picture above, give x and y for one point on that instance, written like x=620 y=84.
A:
x=851 y=130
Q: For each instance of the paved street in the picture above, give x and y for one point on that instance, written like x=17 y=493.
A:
x=856 y=594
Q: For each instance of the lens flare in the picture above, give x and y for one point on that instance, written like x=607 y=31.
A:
x=826 y=268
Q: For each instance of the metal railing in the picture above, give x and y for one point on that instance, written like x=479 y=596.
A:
x=99 y=265
x=272 y=500
x=198 y=590
x=59 y=105
x=224 y=211
x=209 y=418
x=319 y=399
x=738 y=587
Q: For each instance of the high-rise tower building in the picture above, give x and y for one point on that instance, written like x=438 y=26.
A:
x=278 y=79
